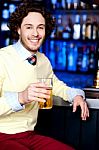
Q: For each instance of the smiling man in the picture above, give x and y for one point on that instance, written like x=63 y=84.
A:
x=20 y=91
x=32 y=31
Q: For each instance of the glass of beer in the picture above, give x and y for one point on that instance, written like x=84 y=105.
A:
x=49 y=101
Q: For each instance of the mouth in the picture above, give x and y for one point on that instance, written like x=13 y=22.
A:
x=34 y=41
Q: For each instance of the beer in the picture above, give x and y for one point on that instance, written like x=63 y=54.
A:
x=48 y=103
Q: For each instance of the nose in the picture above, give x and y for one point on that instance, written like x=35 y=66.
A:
x=34 y=32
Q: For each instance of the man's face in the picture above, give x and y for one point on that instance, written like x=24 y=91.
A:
x=32 y=31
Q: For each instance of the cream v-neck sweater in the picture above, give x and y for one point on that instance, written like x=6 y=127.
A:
x=15 y=75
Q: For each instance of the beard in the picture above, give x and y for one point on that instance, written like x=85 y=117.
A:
x=32 y=49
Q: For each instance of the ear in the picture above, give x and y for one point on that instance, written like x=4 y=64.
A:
x=18 y=30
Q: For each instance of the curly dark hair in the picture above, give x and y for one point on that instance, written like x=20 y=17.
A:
x=22 y=11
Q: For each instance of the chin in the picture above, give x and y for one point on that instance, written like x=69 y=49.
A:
x=33 y=50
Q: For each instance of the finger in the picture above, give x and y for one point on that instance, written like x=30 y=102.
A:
x=39 y=90
x=40 y=95
x=33 y=94
x=74 y=106
x=37 y=99
x=84 y=111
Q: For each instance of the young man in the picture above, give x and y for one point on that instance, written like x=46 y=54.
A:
x=20 y=90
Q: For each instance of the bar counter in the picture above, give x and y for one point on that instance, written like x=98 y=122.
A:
x=92 y=103
x=64 y=125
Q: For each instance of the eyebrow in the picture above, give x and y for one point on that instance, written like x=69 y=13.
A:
x=32 y=25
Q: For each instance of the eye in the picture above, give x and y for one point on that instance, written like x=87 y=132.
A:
x=41 y=27
x=28 y=27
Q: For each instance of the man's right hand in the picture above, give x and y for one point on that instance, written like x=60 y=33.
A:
x=35 y=92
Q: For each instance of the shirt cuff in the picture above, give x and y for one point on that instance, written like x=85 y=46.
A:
x=12 y=100
x=72 y=92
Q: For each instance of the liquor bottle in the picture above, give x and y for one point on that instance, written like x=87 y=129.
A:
x=53 y=34
x=53 y=4
x=59 y=5
x=5 y=16
x=60 y=55
x=68 y=29
x=79 y=7
x=52 y=53
x=76 y=27
x=83 y=26
x=5 y=11
x=83 y=5
x=63 y=4
x=69 y=4
x=7 y=41
x=72 y=58
x=79 y=58
x=95 y=29
x=88 y=29
x=64 y=55
x=75 y=4
x=75 y=57
x=66 y=5
x=12 y=8
x=92 y=58
x=59 y=27
x=72 y=5
x=85 y=59
x=95 y=7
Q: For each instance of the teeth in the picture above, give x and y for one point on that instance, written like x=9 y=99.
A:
x=34 y=40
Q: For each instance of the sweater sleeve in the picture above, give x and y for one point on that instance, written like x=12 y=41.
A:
x=8 y=100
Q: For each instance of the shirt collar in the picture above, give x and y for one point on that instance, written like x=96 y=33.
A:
x=21 y=50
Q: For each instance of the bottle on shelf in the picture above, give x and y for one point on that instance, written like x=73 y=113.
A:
x=85 y=59
x=64 y=4
x=52 y=53
x=60 y=48
x=95 y=7
x=75 y=4
x=69 y=4
x=72 y=58
x=53 y=4
x=5 y=16
x=68 y=29
x=95 y=29
x=92 y=58
x=59 y=5
x=59 y=30
x=5 y=11
x=83 y=26
x=88 y=29
x=79 y=58
x=64 y=55
x=53 y=34
x=76 y=27
x=82 y=5
x=12 y=7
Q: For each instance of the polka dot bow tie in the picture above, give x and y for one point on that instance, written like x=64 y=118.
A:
x=32 y=59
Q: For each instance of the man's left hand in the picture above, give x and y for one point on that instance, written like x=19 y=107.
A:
x=79 y=101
